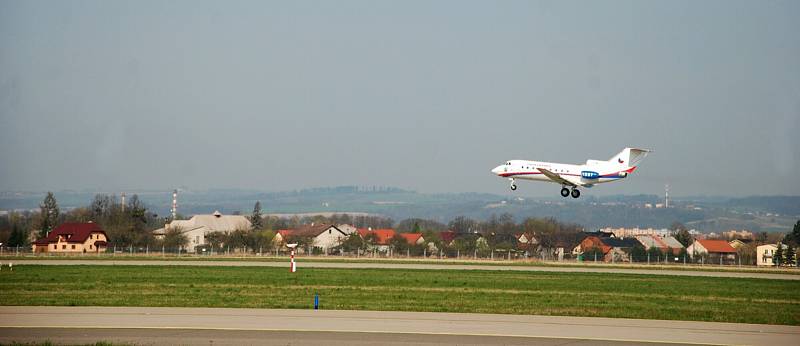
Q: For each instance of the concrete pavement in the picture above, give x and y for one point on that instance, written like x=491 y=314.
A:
x=74 y=336
x=408 y=327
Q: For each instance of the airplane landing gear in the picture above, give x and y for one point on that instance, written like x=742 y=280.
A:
x=513 y=186
x=565 y=192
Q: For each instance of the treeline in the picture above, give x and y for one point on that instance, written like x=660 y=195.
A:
x=471 y=236
x=126 y=225
x=130 y=225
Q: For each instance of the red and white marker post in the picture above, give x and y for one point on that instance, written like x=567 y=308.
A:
x=293 y=266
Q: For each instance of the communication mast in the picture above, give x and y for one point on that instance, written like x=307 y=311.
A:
x=123 y=201
x=174 y=203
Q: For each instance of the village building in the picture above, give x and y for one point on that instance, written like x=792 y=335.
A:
x=526 y=242
x=322 y=236
x=714 y=249
x=73 y=237
x=766 y=252
x=613 y=249
x=380 y=238
x=196 y=228
x=740 y=243
x=347 y=228
x=578 y=249
x=447 y=237
x=662 y=243
x=413 y=238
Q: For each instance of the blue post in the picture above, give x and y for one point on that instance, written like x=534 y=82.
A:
x=316 y=301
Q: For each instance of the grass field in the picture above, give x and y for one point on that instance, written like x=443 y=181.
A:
x=572 y=294
x=445 y=261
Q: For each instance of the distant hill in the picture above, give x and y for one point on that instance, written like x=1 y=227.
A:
x=702 y=213
x=788 y=205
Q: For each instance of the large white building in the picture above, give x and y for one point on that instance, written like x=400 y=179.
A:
x=199 y=226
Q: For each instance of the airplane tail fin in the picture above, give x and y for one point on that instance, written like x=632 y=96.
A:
x=629 y=157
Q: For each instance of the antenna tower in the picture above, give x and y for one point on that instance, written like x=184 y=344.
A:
x=174 y=204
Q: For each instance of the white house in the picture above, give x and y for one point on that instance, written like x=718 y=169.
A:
x=323 y=236
x=199 y=226
x=347 y=229
x=764 y=254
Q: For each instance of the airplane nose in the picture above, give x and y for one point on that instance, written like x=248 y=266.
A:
x=497 y=170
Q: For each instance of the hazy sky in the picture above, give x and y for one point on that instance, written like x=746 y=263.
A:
x=424 y=95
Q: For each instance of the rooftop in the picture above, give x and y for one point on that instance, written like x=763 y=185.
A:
x=74 y=232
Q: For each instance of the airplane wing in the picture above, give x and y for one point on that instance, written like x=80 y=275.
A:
x=557 y=178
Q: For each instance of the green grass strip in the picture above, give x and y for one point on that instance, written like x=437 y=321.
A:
x=740 y=300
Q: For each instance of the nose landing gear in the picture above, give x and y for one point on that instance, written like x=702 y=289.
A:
x=513 y=186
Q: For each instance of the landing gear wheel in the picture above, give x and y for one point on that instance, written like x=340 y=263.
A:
x=575 y=193
x=564 y=192
x=513 y=187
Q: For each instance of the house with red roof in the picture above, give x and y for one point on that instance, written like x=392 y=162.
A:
x=381 y=238
x=613 y=249
x=413 y=238
x=712 y=248
x=526 y=241
x=447 y=237
x=73 y=237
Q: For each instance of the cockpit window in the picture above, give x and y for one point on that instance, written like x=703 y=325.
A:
x=508 y=163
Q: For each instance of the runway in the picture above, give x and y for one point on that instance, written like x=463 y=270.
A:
x=262 y=326
x=262 y=337
x=424 y=266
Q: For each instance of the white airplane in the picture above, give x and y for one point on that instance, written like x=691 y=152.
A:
x=573 y=176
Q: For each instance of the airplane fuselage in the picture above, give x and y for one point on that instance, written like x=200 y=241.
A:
x=584 y=175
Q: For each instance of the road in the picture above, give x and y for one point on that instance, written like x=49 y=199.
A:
x=388 y=265
x=258 y=326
